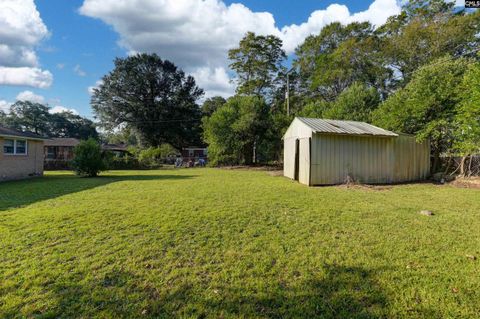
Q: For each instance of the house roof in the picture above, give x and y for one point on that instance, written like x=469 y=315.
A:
x=62 y=141
x=8 y=132
x=345 y=127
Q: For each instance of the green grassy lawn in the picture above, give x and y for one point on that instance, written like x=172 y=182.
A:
x=209 y=243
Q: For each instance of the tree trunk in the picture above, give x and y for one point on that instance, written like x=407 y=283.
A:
x=462 y=165
x=470 y=166
x=449 y=163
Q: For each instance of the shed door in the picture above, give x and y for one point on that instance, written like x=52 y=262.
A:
x=289 y=157
x=304 y=161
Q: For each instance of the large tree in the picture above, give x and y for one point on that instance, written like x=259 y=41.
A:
x=424 y=31
x=257 y=61
x=212 y=104
x=235 y=130
x=152 y=96
x=35 y=117
x=467 y=120
x=339 y=56
x=428 y=105
x=30 y=116
x=68 y=124
x=356 y=103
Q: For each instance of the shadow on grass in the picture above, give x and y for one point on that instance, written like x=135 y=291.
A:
x=343 y=292
x=20 y=193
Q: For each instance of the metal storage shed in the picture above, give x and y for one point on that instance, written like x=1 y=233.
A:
x=327 y=152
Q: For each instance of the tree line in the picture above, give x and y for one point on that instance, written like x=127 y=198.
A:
x=418 y=73
x=35 y=117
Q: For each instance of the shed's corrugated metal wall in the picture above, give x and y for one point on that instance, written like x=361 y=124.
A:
x=367 y=159
x=411 y=159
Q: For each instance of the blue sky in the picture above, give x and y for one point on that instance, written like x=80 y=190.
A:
x=84 y=36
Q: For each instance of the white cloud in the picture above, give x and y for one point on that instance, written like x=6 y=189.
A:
x=214 y=82
x=97 y=84
x=21 y=30
x=78 y=70
x=377 y=14
x=197 y=34
x=5 y=106
x=60 y=109
x=11 y=56
x=60 y=66
x=34 y=77
x=30 y=96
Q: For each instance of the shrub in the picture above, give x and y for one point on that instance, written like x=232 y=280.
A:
x=122 y=163
x=89 y=159
x=153 y=157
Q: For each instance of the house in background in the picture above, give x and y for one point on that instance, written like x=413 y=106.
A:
x=194 y=153
x=21 y=154
x=327 y=152
x=59 y=152
x=119 y=150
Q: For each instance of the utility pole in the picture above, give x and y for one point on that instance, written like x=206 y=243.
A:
x=287 y=92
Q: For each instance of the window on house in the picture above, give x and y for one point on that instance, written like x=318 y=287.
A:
x=51 y=152
x=21 y=147
x=191 y=153
x=9 y=146
x=15 y=147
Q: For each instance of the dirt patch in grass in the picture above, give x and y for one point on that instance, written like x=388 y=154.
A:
x=467 y=182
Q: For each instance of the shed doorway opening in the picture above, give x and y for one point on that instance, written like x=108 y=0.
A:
x=297 y=159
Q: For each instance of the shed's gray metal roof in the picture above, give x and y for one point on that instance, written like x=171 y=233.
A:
x=345 y=127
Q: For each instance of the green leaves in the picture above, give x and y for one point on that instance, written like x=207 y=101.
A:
x=356 y=103
x=89 y=159
x=432 y=105
x=340 y=56
x=467 y=120
x=35 y=117
x=235 y=129
x=151 y=96
x=257 y=61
